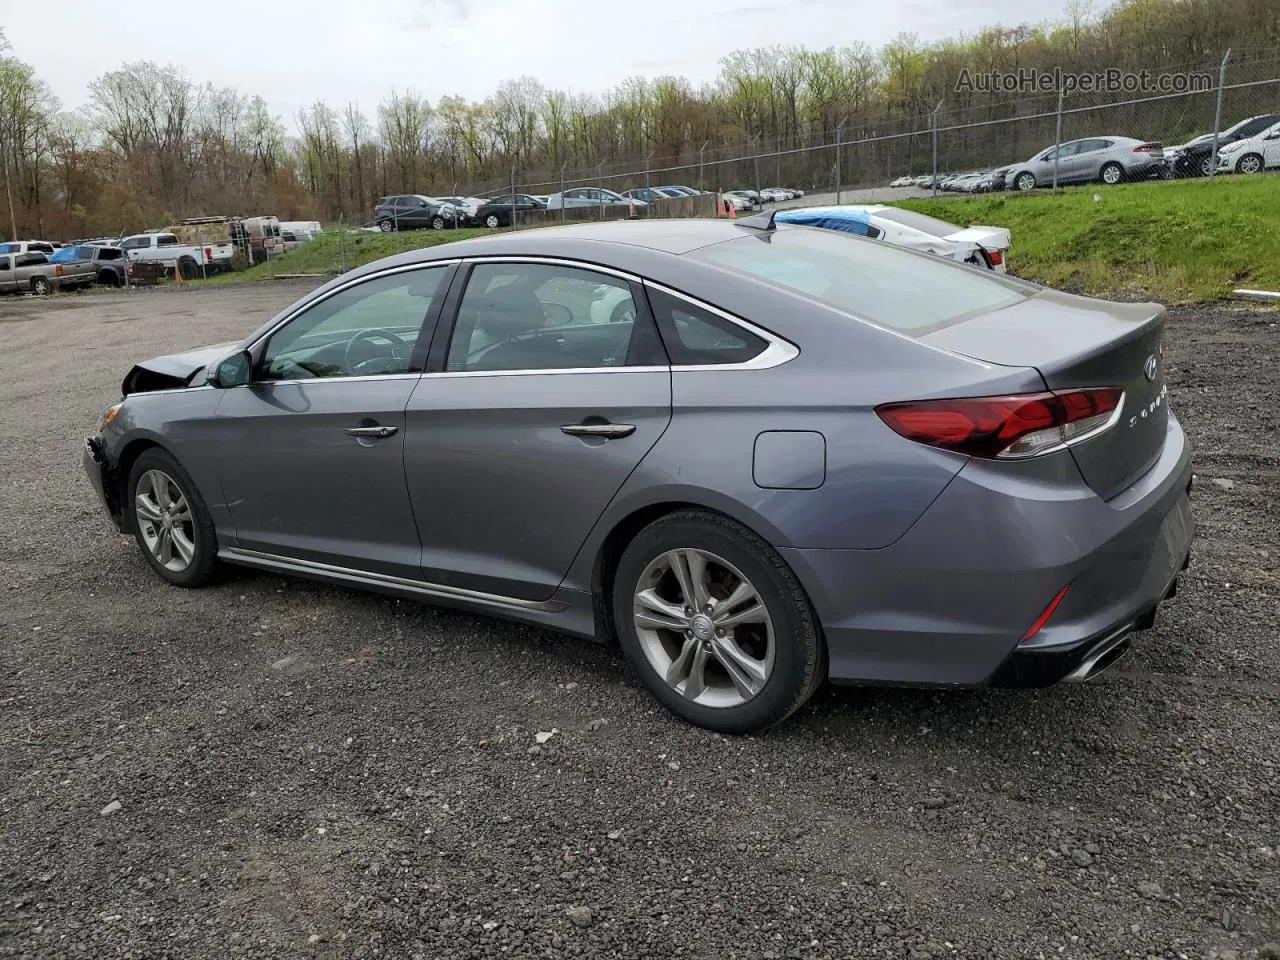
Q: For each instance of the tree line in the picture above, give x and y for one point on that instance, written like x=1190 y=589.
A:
x=152 y=145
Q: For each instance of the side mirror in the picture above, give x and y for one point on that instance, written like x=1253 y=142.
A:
x=234 y=371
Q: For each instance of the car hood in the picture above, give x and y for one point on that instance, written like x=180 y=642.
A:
x=174 y=370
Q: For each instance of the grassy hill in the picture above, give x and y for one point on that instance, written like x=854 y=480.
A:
x=1177 y=241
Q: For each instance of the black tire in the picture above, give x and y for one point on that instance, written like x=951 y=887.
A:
x=493 y=221
x=1025 y=181
x=437 y=223
x=41 y=286
x=1206 y=165
x=108 y=278
x=1250 y=163
x=799 y=654
x=1111 y=173
x=203 y=566
x=386 y=226
x=188 y=268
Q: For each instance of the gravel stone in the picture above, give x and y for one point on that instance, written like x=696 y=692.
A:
x=378 y=793
x=579 y=916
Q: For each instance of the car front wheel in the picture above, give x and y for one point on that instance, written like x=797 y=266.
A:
x=1249 y=163
x=716 y=624
x=170 y=521
x=1025 y=182
x=492 y=221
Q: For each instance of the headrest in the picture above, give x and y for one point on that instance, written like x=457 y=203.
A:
x=508 y=312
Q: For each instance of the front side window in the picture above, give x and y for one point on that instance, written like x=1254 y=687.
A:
x=369 y=329
x=533 y=316
x=137 y=243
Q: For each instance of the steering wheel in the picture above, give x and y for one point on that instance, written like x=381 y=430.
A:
x=399 y=349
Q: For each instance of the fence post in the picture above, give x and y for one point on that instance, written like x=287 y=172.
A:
x=839 y=158
x=342 y=243
x=647 y=161
x=702 y=160
x=266 y=247
x=600 y=185
x=755 y=159
x=562 y=166
x=513 y=195
x=1217 y=116
x=934 y=182
x=1057 y=138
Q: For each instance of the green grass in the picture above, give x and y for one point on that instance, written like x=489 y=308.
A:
x=1175 y=241
x=325 y=254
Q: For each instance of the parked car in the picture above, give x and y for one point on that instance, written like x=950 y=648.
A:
x=986 y=247
x=1110 y=160
x=109 y=263
x=819 y=456
x=903 y=182
x=496 y=211
x=312 y=228
x=28 y=246
x=651 y=195
x=740 y=203
x=292 y=238
x=589 y=197
x=750 y=198
x=189 y=260
x=1258 y=153
x=775 y=195
x=1195 y=157
x=34 y=272
x=999 y=179
x=467 y=208
x=413 y=211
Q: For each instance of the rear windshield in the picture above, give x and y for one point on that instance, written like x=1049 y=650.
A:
x=913 y=293
x=918 y=221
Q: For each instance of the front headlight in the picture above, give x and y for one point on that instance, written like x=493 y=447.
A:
x=1230 y=147
x=109 y=414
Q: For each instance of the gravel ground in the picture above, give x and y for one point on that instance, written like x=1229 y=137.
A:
x=273 y=768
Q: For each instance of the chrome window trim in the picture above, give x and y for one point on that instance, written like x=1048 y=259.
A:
x=776 y=352
x=272 y=561
x=354 y=281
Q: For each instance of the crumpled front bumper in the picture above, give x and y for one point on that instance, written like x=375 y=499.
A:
x=103 y=478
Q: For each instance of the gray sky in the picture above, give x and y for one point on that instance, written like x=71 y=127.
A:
x=294 y=53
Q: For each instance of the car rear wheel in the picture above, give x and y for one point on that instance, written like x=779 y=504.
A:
x=1206 y=166
x=1112 y=173
x=437 y=223
x=716 y=624
x=107 y=278
x=188 y=268
x=170 y=521
x=386 y=226
x=1249 y=163
x=492 y=221
x=41 y=287
x=1025 y=182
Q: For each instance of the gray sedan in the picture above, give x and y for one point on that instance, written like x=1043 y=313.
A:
x=1108 y=160
x=799 y=455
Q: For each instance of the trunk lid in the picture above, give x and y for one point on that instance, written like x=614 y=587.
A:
x=1079 y=342
x=992 y=238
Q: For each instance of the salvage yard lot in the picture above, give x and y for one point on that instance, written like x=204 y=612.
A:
x=303 y=770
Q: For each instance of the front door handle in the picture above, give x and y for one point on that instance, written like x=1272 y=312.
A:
x=379 y=432
x=606 y=431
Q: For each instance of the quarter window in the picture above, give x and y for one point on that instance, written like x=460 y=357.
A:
x=533 y=316
x=369 y=329
x=695 y=336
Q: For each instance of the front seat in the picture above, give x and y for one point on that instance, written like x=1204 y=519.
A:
x=513 y=315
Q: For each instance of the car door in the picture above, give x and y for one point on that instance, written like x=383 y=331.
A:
x=7 y=281
x=1086 y=162
x=1271 y=147
x=529 y=419
x=315 y=468
x=27 y=266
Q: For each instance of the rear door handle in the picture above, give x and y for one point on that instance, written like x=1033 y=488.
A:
x=606 y=431
x=371 y=431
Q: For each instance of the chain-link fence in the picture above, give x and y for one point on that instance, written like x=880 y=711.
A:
x=991 y=121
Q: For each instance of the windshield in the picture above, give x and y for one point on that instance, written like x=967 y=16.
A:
x=912 y=293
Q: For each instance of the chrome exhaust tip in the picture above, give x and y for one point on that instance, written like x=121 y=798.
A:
x=1102 y=657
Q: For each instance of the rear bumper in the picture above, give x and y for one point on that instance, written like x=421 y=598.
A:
x=949 y=602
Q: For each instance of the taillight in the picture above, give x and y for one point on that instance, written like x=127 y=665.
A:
x=208 y=254
x=996 y=256
x=1147 y=148
x=1006 y=428
x=1045 y=614
x=57 y=271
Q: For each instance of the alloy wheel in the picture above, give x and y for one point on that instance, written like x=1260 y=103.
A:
x=704 y=628
x=165 y=520
x=1251 y=164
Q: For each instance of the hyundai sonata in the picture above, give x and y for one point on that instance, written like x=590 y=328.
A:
x=796 y=455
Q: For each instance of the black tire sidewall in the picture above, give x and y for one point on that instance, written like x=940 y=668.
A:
x=204 y=562
x=795 y=631
x=41 y=287
x=1111 y=166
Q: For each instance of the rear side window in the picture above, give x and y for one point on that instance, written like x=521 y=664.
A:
x=913 y=293
x=31 y=259
x=4 y=263
x=166 y=240
x=694 y=336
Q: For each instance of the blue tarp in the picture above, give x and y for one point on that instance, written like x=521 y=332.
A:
x=829 y=218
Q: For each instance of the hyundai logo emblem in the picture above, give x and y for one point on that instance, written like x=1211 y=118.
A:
x=1151 y=366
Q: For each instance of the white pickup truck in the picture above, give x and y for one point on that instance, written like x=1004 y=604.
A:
x=190 y=260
